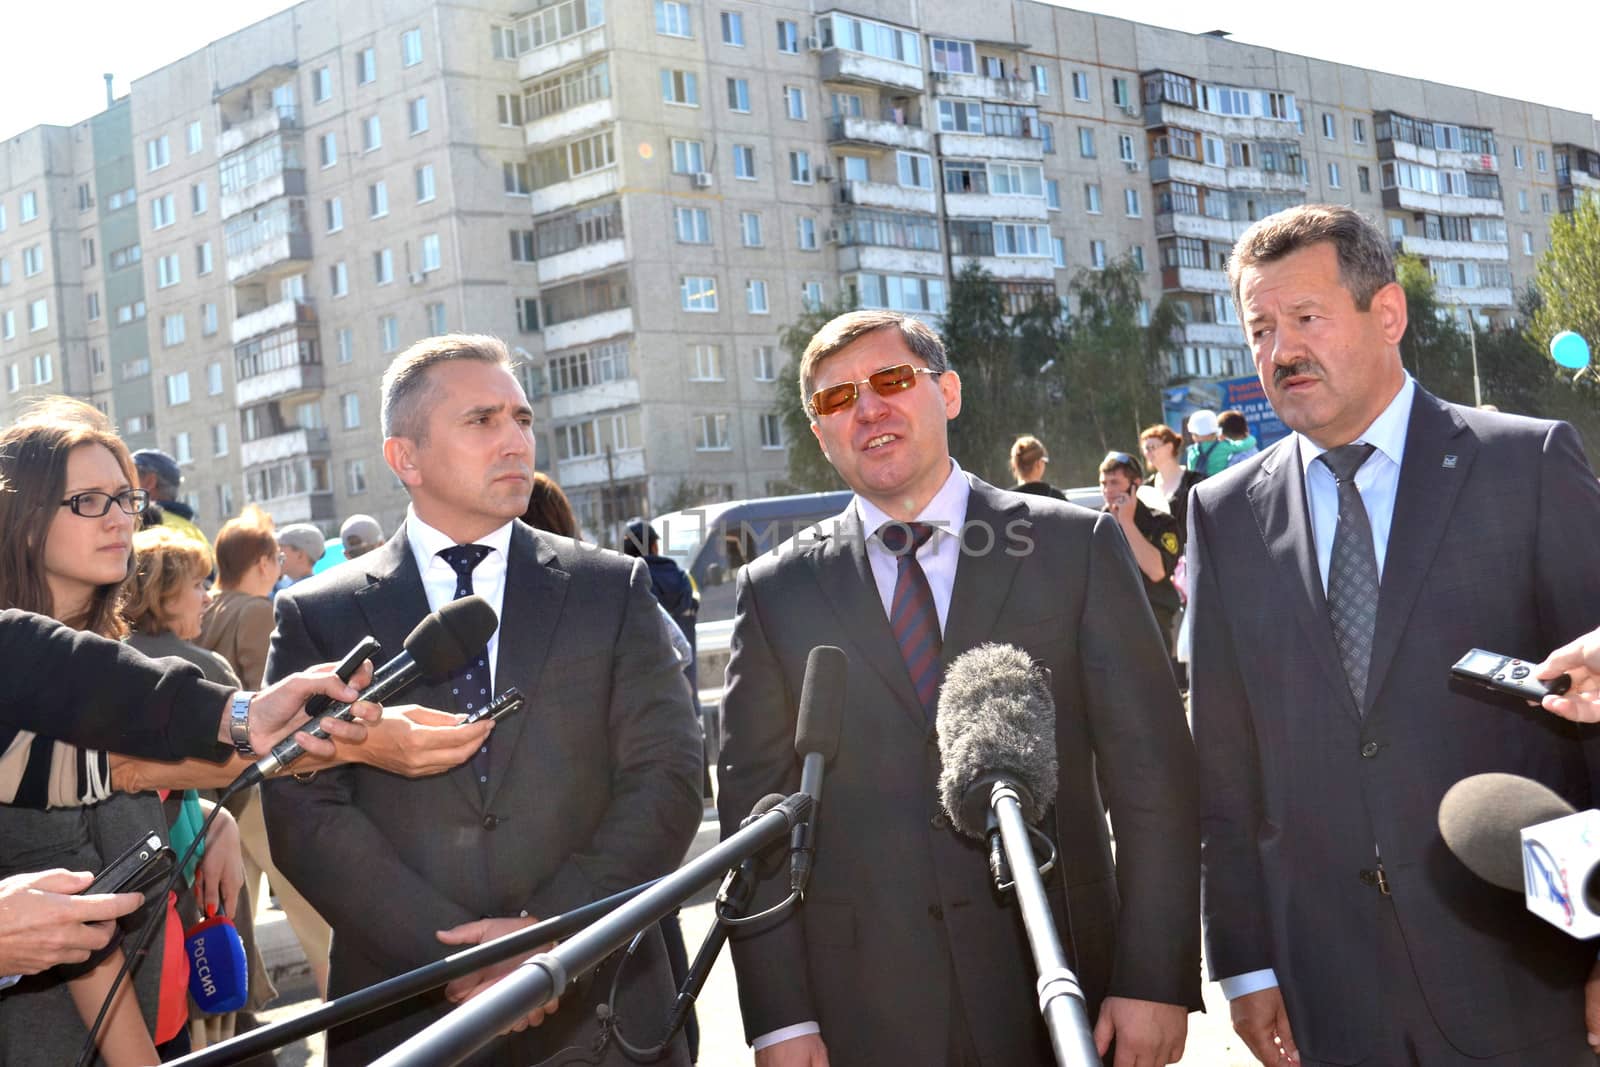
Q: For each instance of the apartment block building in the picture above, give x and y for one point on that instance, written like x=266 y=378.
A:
x=639 y=195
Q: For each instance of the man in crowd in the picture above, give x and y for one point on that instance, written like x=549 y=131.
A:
x=592 y=788
x=1235 y=430
x=160 y=476
x=302 y=546
x=1338 y=575
x=360 y=535
x=902 y=951
x=1152 y=535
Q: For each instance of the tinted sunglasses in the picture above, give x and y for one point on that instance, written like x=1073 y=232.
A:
x=885 y=382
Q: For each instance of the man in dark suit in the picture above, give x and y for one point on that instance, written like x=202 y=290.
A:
x=903 y=952
x=593 y=787
x=1340 y=574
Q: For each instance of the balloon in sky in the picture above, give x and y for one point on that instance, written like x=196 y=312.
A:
x=1570 y=350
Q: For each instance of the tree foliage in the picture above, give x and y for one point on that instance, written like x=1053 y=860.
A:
x=809 y=469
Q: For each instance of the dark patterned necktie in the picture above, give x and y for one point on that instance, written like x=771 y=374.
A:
x=469 y=686
x=913 y=616
x=1352 y=571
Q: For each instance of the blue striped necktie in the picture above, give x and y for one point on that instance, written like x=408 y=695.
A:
x=469 y=686
x=913 y=616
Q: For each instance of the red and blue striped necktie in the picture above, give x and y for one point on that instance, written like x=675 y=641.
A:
x=913 y=616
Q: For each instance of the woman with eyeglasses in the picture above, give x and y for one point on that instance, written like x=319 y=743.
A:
x=1028 y=461
x=1160 y=445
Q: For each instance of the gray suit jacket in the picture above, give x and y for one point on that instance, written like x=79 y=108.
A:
x=899 y=905
x=1492 y=546
x=594 y=785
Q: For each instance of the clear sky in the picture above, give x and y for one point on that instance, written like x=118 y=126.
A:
x=53 y=52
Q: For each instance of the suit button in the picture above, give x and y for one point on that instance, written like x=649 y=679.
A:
x=939 y=821
x=491 y=821
x=935 y=912
x=1369 y=749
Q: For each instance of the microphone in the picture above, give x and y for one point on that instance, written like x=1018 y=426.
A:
x=997 y=750
x=442 y=642
x=1520 y=835
x=816 y=741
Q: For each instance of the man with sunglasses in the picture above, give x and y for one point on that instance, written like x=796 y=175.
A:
x=1152 y=535
x=902 y=952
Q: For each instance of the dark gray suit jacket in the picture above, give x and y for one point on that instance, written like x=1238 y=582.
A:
x=1492 y=546
x=594 y=785
x=899 y=905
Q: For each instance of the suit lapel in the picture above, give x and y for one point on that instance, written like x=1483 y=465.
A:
x=1424 y=499
x=845 y=577
x=983 y=579
x=1278 y=498
x=535 y=591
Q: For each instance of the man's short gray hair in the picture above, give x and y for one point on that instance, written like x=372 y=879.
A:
x=405 y=395
x=850 y=327
x=1365 y=262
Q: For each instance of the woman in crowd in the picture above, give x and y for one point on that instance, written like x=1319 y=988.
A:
x=1160 y=445
x=1028 y=460
x=549 y=509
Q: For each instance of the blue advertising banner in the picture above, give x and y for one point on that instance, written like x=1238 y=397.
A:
x=1241 y=394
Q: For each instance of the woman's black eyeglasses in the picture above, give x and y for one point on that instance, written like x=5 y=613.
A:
x=92 y=503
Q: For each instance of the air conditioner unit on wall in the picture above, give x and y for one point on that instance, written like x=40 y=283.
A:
x=941 y=75
x=824 y=172
x=418 y=278
x=702 y=180
x=832 y=235
x=1133 y=166
x=1130 y=108
x=813 y=43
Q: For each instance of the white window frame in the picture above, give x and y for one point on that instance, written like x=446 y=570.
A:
x=756 y=300
x=697 y=294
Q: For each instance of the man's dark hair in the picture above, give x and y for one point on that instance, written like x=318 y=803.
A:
x=1233 y=425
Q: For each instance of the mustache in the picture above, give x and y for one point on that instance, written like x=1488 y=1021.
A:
x=1299 y=368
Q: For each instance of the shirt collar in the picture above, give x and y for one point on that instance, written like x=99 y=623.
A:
x=1387 y=432
x=427 y=541
x=947 y=511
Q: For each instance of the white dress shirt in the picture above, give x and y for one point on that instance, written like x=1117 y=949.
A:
x=1378 y=481
x=947 y=513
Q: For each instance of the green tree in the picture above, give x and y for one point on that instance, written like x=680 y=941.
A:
x=1568 y=278
x=809 y=469
x=997 y=400
x=1434 y=349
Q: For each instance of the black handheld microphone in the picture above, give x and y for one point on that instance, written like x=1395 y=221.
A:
x=442 y=642
x=816 y=741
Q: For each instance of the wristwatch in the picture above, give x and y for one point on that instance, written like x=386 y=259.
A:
x=239 y=723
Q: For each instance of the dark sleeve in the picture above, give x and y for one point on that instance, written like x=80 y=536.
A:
x=758 y=723
x=97 y=693
x=1164 y=536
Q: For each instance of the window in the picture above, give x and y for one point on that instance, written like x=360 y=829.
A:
x=366 y=66
x=178 y=388
x=1119 y=92
x=1527 y=243
x=429 y=253
x=5 y=268
x=1086 y=142
x=1091 y=198
x=694 y=225
x=44 y=369
x=417 y=112
x=755 y=297
x=202 y=258
x=688 y=157
x=771 y=431
x=197 y=198
x=1330 y=130
x=338 y=279
x=855 y=168
x=956 y=57
x=423 y=180
x=219 y=439
x=1358 y=131
x=13 y=378
x=738 y=94
x=355 y=476
x=788 y=37
x=517 y=178
x=162 y=212
x=750 y=228
x=1364 y=179
x=383 y=266
x=130 y=312
x=411 y=48
x=377 y=199
x=1058 y=252
x=1522 y=200
x=794 y=101
x=705 y=363
x=1131 y=203
x=350 y=409
x=38 y=315
x=672 y=19
x=172 y=332
x=680 y=87
x=327 y=150
x=1544 y=203
x=1137 y=254
x=91 y=306
x=1097 y=254
x=345 y=345
x=389 y=333
x=214 y=378
x=334 y=211
x=157 y=153
x=508 y=107
x=1080 y=85
x=800 y=167
x=371 y=133
x=1518 y=160
x=806 y=233
x=522 y=246
x=744 y=161
x=915 y=170
x=1052 y=194
x=1333 y=175
x=321 y=85
x=1015 y=179
x=436 y=318
x=1047 y=134
x=32 y=260
x=1041 y=80
x=208 y=320
x=28 y=206
x=697 y=293
x=766 y=364
x=8 y=324
x=1539 y=159
x=711 y=433
x=167 y=272
x=733 y=28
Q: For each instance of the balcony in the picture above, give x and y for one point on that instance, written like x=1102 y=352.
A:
x=1272 y=181
x=880 y=259
x=573 y=191
x=1578 y=179
x=540 y=61
x=1228 y=127
x=274 y=255
x=1473 y=296
x=857 y=68
x=585 y=260
x=594 y=399
x=281 y=446
x=976 y=86
x=1168 y=168
x=873 y=133
x=1009 y=268
x=886 y=195
x=1211 y=333
x=1194 y=280
x=990 y=206
x=287 y=182
x=983 y=146
x=588 y=329
x=566 y=124
x=1441 y=158
x=1433 y=248
x=1435 y=204
x=269 y=122
x=600 y=470
x=1170 y=223
x=280 y=384
x=301 y=507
